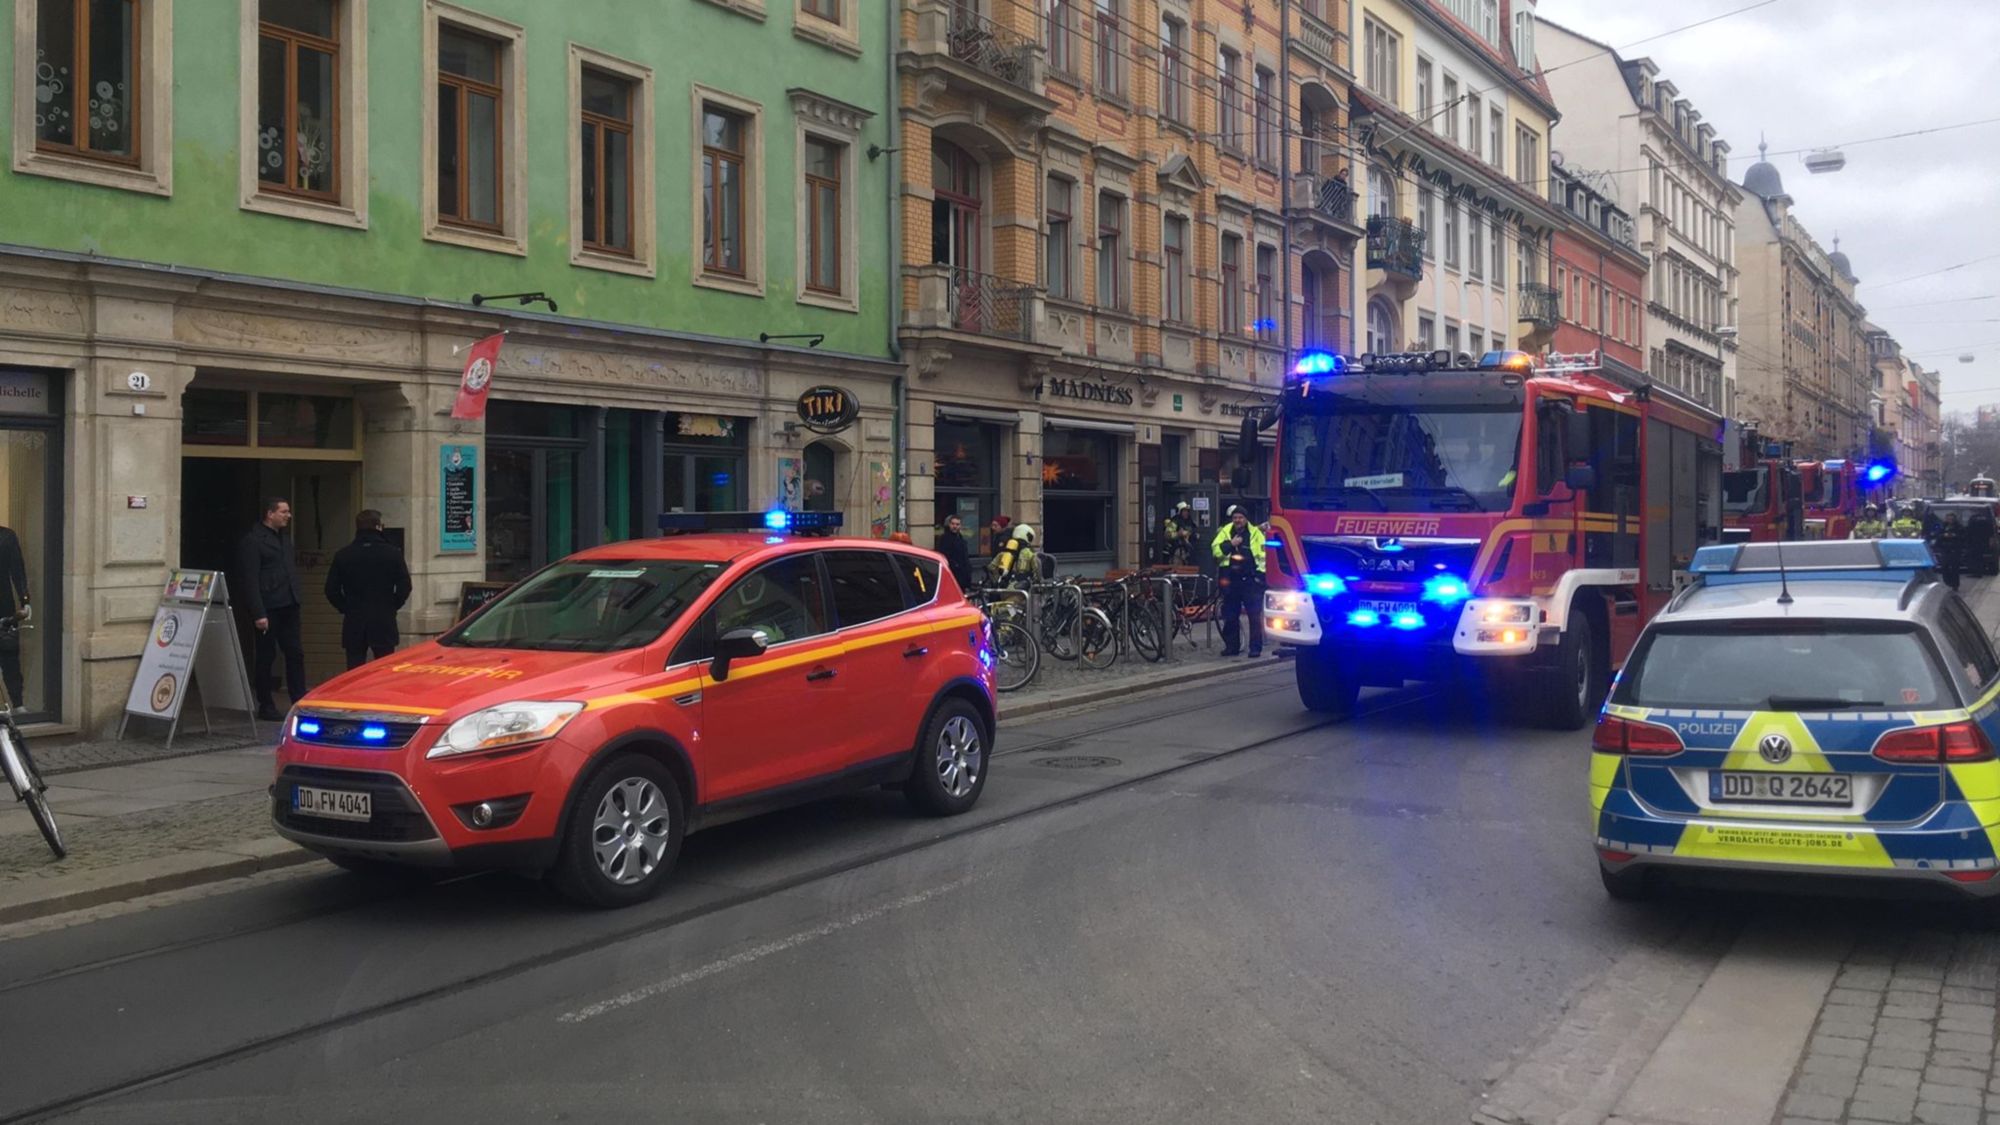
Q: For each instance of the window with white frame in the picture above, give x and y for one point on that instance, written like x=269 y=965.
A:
x=1474 y=117
x=1448 y=112
x=1381 y=191
x=1427 y=330
x=1496 y=137
x=1529 y=168
x=1424 y=92
x=1174 y=268
x=93 y=91
x=1497 y=253
x=1475 y=244
x=1381 y=327
x=1111 y=288
x=1059 y=205
x=1427 y=218
x=475 y=174
x=1382 y=61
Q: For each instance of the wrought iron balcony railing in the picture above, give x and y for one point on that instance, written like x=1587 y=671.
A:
x=1541 y=305
x=1395 y=245
x=985 y=46
x=989 y=306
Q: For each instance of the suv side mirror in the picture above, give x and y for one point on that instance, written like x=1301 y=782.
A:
x=736 y=644
x=1580 y=478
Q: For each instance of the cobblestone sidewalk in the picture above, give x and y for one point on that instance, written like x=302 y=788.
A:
x=1905 y=1035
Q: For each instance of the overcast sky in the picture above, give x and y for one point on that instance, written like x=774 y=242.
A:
x=1813 y=73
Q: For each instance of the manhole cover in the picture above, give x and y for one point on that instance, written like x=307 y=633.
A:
x=1077 y=762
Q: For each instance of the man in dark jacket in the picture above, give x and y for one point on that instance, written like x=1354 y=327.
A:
x=269 y=586
x=367 y=583
x=951 y=544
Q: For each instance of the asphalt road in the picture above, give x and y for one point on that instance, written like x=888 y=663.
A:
x=1202 y=905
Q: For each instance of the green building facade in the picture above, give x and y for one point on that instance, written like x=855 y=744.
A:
x=245 y=244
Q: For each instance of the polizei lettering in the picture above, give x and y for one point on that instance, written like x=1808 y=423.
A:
x=1089 y=392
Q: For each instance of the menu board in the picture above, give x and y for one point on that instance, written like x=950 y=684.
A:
x=458 y=498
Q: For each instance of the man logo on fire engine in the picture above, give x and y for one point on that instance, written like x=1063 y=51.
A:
x=1775 y=749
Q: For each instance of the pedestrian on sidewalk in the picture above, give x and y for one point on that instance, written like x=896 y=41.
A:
x=14 y=603
x=994 y=535
x=269 y=580
x=957 y=559
x=1948 y=547
x=367 y=584
x=1239 y=562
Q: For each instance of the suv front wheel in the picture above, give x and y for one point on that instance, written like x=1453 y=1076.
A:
x=624 y=834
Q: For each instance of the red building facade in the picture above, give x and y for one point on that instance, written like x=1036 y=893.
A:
x=1600 y=278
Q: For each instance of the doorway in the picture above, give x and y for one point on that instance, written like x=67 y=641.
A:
x=221 y=498
x=821 y=476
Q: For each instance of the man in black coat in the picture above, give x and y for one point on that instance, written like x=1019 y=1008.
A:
x=368 y=582
x=268 y=583
x=951 y=544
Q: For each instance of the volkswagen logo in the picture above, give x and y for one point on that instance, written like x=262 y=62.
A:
x=1775 y=749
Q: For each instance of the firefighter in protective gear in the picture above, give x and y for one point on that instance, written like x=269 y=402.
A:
x=1870 y=525
x=1177 y=536
x=1014 y=563
x=1906 y=525
x=1239 y=561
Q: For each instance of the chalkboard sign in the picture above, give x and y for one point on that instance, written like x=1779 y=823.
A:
x=458 y=498
x=472 y=595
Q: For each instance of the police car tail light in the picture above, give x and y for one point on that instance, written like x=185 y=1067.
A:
x=505 y=727
x=1629 y=736
x=1951 y=742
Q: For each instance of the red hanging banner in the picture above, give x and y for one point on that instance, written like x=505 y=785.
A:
x=473 y=384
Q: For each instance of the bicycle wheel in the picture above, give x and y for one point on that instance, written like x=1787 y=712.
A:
x=1056 y=638
x=1016 y=657
x=28 y=784
x=1145 y=627
x=1100 y=640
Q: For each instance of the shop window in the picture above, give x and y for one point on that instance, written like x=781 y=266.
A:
x=706 y=463
x=1079 y=492
x=222 y=417
x=967 y=471
x=215 y=417
x=31 y=498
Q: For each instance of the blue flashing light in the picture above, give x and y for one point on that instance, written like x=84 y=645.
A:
x=308 y=727
x=1408 y=620
x=1446 y=589
x=1364 y=618
x=374 y=733
x=777 y=519
x=1718 y=559
x=1898 y=554
x=1319 y=363
x=1326 y=585
x=1879 y=472
x=1391 y=546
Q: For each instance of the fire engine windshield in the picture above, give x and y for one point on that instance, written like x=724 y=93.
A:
x=1746 y=490
x=1827 y=493
x=1402 y=444
x=588 y=606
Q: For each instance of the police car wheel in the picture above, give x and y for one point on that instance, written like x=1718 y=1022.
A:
x=624 y=834
x=1633 y=884
x=950 y=770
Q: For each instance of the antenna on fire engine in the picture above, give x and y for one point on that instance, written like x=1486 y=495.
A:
x=1784 y=587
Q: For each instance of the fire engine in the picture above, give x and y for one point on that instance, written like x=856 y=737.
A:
x=1437 y=516
x=1762 y=500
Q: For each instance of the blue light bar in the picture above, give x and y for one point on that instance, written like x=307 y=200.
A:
x=777 y=519
x=373 y=733
x=1319 y=363
x=1364 y=618
x=1326 y=585
x=1719 y=559
x=1899 y=554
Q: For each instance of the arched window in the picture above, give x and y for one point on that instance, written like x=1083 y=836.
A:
x=1381 y=328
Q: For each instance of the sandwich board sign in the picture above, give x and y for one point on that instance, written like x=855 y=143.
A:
x=193 y=638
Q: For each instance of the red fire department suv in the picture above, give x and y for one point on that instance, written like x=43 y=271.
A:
x=584 y=721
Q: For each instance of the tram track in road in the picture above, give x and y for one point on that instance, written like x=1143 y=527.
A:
x=261 y=1044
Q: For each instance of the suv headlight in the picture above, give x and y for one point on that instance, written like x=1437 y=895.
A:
x=505 y=726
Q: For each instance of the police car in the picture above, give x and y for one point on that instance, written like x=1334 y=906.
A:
x=585 y=720
x=1804 y=708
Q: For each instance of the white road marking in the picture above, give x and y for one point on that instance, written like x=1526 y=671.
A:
x=756 y=953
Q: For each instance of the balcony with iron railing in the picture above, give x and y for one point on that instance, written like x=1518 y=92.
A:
x=1326 y=198
x=1323 y=41
x=1541 y=305
x=992 y=61
x=1396 y=247
x=954 y=299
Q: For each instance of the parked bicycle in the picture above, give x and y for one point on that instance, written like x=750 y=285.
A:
x=19 y=766
x=1016 y=656
x=1072 y=629
x=1139 y=618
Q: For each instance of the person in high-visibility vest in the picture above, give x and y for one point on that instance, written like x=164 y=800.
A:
x=1870 y=525
x=1239 y=557
x=1906 y=525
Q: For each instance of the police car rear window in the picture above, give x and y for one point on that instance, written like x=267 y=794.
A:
x=1795 y=666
